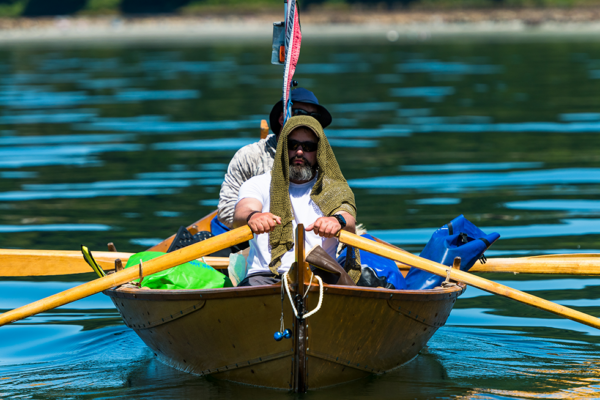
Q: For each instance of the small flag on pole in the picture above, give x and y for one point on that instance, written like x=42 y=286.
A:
x=293 y=39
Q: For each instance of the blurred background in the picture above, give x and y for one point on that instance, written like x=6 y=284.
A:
x=484 y=108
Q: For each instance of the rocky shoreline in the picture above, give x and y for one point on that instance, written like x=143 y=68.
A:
x=336 y=24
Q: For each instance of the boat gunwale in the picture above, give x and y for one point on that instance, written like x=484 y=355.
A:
x=132 y=292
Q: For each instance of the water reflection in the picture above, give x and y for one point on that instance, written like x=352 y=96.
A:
x=470 y=166
x=572 y=127
x=567 y=227
x=363 y=107
x=66 y=139
x=449 y=183
x=88 y=194
x=157 y=124
x=430 y=91
x=54 y=228
x=562 y=204
x=437 y=67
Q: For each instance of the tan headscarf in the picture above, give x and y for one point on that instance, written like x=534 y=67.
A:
x=330 y=193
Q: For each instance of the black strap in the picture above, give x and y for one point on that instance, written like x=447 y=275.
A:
x=483 y=259
x=250 y=216
x=450 y=229
x=487 y=243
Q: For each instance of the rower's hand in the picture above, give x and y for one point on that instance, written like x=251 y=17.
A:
x=325 y=226
x=263 y=222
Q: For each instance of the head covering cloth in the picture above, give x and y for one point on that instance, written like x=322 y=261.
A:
x=330 y=193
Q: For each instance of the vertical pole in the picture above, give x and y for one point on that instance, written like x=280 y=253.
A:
x=300 y=373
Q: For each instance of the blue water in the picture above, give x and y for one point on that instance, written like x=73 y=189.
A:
x=126 y=143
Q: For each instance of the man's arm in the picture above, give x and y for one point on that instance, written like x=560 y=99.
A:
x=330 y=226
x=259 y=222
x=238 y=172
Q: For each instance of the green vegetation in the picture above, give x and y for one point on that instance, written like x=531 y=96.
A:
x=12 y=9
x=101 y=7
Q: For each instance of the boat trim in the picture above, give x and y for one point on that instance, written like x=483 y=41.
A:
x=414 y=317
x=248 y=363
x=169 y=318
x=343 y=362
x=133 y=292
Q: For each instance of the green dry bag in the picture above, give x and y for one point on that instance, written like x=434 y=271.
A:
x=191 y=275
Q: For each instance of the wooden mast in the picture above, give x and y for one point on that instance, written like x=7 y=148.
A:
x=299 y=360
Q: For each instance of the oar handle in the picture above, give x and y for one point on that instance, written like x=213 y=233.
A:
x=158 y=264
x=462 y=276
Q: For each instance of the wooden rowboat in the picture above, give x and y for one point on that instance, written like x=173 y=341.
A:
x=228 y=333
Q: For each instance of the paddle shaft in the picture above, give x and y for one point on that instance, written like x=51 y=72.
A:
x=18 y=263
x=576 y=264
x=158 y=264
x=15 y=263
x=465 y=277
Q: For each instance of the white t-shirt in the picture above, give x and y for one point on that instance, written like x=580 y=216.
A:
x=305 y=212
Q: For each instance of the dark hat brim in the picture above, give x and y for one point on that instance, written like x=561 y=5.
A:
x=277 y=109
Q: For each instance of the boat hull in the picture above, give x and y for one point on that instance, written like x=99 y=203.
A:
x=228 y=333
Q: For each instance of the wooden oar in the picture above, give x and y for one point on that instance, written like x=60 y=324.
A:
x=58 y=262
x=161 y=263
x=19 y=263
x=53 y=262
x=569 y=264
x=465 y=277
x=562 y=264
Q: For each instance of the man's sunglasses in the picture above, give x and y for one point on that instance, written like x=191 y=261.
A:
x=308 y=147
x=299 y=111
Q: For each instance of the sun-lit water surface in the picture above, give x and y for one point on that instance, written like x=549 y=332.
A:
x=125 y=144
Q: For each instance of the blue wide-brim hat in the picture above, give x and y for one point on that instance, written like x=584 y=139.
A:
x=299 y=95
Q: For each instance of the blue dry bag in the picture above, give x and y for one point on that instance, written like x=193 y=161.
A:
x=376 y=270
x=217 y=227
x=459 y=238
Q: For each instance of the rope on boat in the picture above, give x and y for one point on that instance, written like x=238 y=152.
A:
x=287 y=289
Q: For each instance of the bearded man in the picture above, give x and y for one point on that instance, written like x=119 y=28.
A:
x=257 y=158
x=306 y=187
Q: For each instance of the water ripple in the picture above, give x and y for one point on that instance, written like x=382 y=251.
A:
x=66 y=150
x=573 y=127
x=143 y=95
x=205 y=145
x=556 y=204
x=54 y=228
x=181 y=175
x=470 y=166
x=116 y=124
x=82 y=194
x=440 y=67
x=354 y=133
x=447 y=183
x=430 y=91
x=567 y=227
x=65 y=139
x=364 y=107
x=107 y=185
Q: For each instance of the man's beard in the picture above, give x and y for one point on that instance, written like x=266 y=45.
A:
x=302 y=172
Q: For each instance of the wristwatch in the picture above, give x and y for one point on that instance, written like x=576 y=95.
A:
x=340 y=219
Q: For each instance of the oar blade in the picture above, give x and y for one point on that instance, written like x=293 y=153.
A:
x=87 y=256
